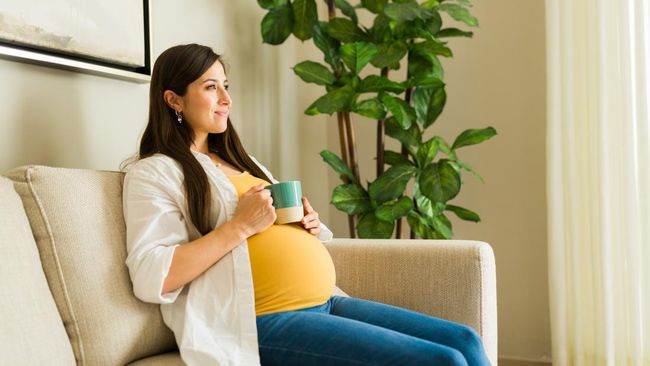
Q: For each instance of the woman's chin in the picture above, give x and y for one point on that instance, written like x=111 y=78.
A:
x=219 y=129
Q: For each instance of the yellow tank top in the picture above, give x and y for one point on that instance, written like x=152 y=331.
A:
x=291 y=268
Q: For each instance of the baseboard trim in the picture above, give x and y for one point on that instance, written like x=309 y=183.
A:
x=505 y=360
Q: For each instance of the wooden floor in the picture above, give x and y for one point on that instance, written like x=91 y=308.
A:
x=511 y=362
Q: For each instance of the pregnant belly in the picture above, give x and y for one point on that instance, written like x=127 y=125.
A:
x=291 y=269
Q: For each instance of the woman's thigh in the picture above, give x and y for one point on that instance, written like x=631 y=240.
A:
x=315 y=338
x=436 y=330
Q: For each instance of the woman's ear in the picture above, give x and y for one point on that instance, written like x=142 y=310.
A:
x=173 y=100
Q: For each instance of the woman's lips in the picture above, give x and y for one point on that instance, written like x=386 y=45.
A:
x=222 y=113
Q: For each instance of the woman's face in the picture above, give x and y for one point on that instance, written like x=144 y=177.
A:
x=206 y=104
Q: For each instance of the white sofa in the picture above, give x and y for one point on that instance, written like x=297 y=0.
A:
x=67 y=298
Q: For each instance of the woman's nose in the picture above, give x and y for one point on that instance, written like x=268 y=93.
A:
x=224 y=98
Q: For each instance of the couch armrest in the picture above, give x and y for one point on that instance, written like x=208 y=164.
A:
x=450 y=279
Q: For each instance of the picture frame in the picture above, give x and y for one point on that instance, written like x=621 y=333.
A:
x=110 y=39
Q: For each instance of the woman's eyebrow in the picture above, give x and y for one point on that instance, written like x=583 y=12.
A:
x=215 y=80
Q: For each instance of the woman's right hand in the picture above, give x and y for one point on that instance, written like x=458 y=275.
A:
x=255 y=212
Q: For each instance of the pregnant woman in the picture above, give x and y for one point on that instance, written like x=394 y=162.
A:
x=235 y=288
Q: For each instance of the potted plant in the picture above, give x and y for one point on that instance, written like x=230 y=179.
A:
x=402 y=32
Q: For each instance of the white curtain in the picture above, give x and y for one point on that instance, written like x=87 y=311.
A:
x=598 y=153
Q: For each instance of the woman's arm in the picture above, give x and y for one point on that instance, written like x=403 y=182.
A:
x=192 y=259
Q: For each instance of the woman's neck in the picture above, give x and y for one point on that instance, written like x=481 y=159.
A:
x=201 y=145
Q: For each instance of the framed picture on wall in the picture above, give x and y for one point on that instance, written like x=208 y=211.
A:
x=109 y=38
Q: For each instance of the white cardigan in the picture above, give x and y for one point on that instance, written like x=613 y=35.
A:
x=213 y=317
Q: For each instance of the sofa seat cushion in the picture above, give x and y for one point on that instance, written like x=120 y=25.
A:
x=32 y=330
x=166 y=359
x=77 y=221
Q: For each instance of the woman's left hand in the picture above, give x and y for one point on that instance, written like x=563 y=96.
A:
x=310 y=221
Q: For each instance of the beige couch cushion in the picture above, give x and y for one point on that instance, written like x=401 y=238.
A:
x=167 y=359
x=76 y=218
x=32 y=330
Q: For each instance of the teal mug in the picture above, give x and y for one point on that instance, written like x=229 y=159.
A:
x=287 y=200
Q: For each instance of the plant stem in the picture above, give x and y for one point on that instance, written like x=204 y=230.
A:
x=331 y=11
x=352 y=145
x=343 y=140
x=381 y=131
x=343 y=131
x=352 y=155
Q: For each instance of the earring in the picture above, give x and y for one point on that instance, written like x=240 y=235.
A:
x=179 y=117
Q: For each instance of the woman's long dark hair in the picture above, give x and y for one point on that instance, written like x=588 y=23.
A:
x=174 y=70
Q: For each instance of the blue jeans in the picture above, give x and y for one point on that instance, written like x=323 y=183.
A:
x=348 y=331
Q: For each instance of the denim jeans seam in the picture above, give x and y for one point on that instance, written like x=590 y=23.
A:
x=317 y=354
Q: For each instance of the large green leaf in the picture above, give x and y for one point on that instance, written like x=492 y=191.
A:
x=442 y=226
x=424 y=205
x=424 y=66
x=313 y=72
x=403 y=113
x=459 y=13
x=406 y=30
x=403 y=11
x=393 y=210
x=377 y=84
x=347 y=9
x=371 y=108
x=430 y=4
x=337 y=164
x=270 y=4
x=453 y=32
x=409 y=137
x=433 y=25
x=429 y=103
x=391 y=183
x=464 y=213
x=420 y=226
x=305 y=16
x=439 y=181
x=424 y=82
x=395 y=158
x=375 y=6
x=371 y=227
x=473 y=136
x=277 y=25
x=426 y=152
x=328 y=45
x=334 y=101
x=345 y=30
x=380 y=31
x=357 y=55
x=390 y=53
x=351 y=199
x=429 y=49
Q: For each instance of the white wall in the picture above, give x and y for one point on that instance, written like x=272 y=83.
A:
x=67 y=119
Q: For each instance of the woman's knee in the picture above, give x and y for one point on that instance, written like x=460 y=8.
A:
x=469 y=335
x=450 y=357
x=468 y=340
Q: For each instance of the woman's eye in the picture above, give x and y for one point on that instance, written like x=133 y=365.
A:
x=212 y=86
x=226 y=87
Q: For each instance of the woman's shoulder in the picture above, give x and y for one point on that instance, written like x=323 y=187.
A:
x=157 y=166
